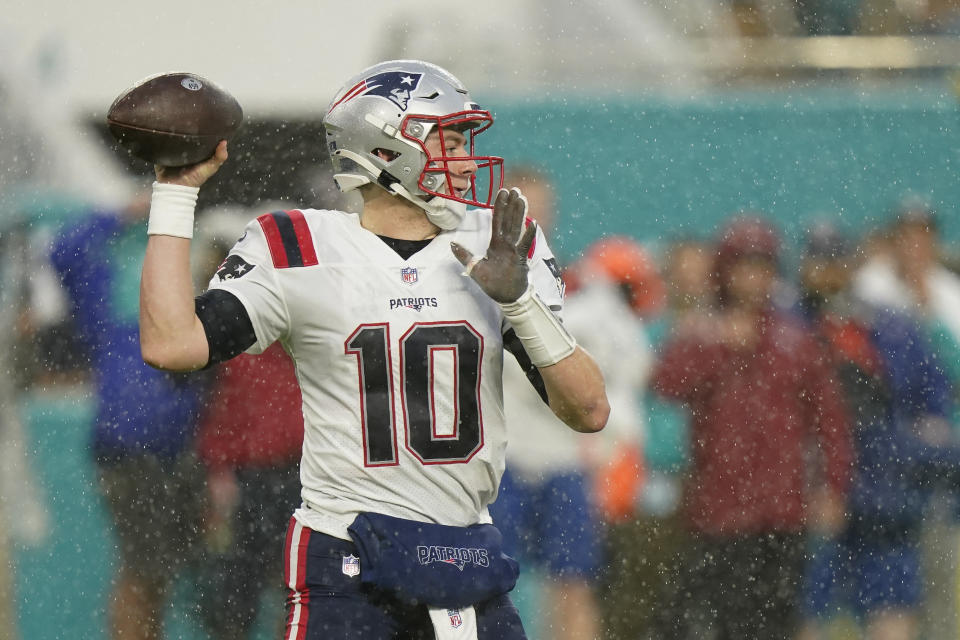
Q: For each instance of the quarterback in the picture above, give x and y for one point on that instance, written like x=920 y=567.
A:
x=396 y=320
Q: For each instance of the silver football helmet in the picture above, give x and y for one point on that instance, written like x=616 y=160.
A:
x=377 y=125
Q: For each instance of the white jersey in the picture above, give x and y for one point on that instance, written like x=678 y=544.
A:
x=399 y=362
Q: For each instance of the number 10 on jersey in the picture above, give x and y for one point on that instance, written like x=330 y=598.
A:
x=422 y=380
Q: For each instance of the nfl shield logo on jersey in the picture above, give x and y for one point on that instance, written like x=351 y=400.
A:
x=455 y=619
x=351 y=566
x=408 y=275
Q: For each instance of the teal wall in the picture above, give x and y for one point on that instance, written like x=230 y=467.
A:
x=658 y=168
x=62 y=584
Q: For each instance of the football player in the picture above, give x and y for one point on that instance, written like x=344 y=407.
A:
x=396 y=320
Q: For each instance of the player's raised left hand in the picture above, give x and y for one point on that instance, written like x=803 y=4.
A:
x=502 y=272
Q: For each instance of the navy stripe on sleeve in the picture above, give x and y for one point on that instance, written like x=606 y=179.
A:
x=289 y=237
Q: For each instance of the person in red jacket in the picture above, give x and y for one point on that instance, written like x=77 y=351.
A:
x=250 y=438
x=767 y=417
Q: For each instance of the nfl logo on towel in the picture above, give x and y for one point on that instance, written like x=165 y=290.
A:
x=351 y=566
x=408 y=275
x=455 y=619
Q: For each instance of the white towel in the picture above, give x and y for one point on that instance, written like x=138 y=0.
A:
x=454 y=624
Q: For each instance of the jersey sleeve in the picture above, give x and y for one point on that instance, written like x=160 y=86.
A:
x=248 y=273
x=545 y=274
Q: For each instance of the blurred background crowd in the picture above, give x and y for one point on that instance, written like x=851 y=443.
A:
x=756 y=220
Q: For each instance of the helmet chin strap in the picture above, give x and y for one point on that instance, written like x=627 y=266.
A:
x=446 y=214
x=443 y=212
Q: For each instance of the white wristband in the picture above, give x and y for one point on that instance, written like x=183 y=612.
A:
x=543 y=336
x=171 y=210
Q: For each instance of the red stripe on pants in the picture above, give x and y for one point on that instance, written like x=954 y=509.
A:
x=295 y=575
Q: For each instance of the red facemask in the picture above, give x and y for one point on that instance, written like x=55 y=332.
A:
x=436 y=178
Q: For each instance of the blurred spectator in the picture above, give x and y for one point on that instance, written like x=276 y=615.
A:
x=646 y=546
x=759 y=18
x=892 y=385
x=942 y=16
x=618 y=275
x=828 y=17
x=543 y=506
x=24 y=519
x=49 y=352
x=898 y=17
x=146 y=420
x=911 y=278
x=689 y=266
x=619 y=289
x=691 y=290
x=250 y=439
x=759 y=389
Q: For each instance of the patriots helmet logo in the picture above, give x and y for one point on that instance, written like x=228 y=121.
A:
x=395 y=86
x=459 y=563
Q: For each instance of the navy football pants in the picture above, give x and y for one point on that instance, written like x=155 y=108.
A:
x=325 y=603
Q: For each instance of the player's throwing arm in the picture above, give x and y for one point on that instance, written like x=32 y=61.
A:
x=171 y=335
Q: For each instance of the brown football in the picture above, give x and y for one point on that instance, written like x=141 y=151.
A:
x=174 y=119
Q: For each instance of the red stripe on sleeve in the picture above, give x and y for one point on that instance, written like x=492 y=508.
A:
x=304 y=238
x=274 y=241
